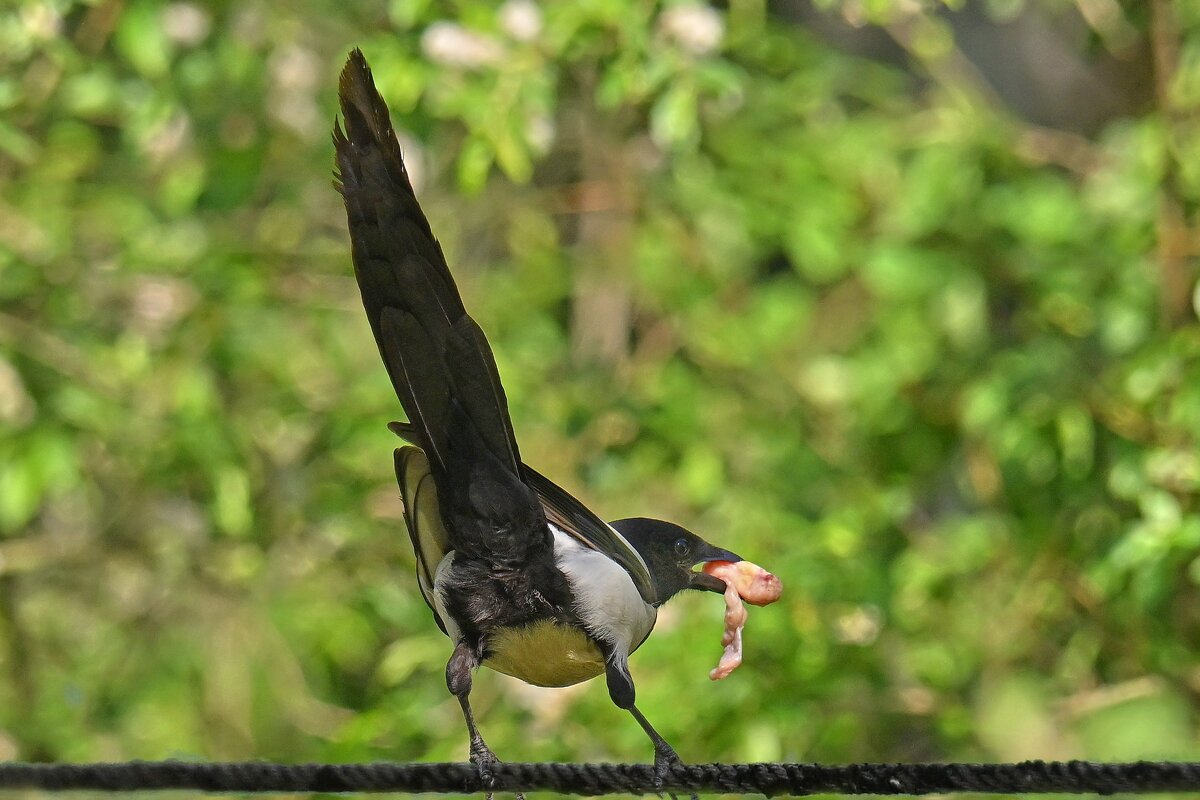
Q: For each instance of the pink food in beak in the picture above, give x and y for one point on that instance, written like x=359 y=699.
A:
x=743 y=581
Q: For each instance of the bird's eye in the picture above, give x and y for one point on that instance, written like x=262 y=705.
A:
x=682 y=548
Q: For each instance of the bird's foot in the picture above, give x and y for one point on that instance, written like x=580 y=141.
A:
x=665 y=759
x=485 y=762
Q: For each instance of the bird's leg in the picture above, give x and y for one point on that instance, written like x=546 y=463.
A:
x=621 y=690
x=665 y=756
x=458 y=680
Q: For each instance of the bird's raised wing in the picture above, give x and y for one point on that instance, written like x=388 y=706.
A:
x=437 y=357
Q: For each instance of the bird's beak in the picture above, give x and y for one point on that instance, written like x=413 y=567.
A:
x=702 y=580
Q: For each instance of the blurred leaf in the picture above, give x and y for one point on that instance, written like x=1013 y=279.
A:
x=140 y=39
x=474 y=162
x=673 y=117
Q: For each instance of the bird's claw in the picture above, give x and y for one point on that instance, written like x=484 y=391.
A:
x=665 y=760
x=485 y=762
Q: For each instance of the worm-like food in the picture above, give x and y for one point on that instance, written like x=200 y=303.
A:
x=743 y=581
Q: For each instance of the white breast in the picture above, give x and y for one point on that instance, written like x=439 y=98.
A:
x=606 y=600
x=605 y=597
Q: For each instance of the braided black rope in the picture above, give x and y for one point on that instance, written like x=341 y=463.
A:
x=1027 y=777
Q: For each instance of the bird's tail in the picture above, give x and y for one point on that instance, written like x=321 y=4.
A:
x=437 y=357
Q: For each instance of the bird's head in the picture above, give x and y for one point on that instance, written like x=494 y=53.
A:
x=671 y=553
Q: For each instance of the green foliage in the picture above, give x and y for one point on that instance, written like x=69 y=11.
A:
x=921 y=359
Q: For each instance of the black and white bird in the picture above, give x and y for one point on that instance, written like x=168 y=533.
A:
x=519 y=574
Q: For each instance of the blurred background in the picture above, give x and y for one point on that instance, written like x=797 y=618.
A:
x=897 y=298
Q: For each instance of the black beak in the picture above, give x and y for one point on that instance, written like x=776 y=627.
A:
x=702 y=580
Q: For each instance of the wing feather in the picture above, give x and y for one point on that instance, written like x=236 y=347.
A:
x=567 y=513
x=438 y=359
x=421 y=517
x=578 y=521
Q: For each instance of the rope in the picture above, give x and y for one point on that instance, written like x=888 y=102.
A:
x=1027 y=777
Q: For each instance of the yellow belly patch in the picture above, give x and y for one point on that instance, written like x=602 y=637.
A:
x=545 y=654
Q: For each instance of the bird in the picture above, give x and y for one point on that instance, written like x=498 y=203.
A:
x=520 y=575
